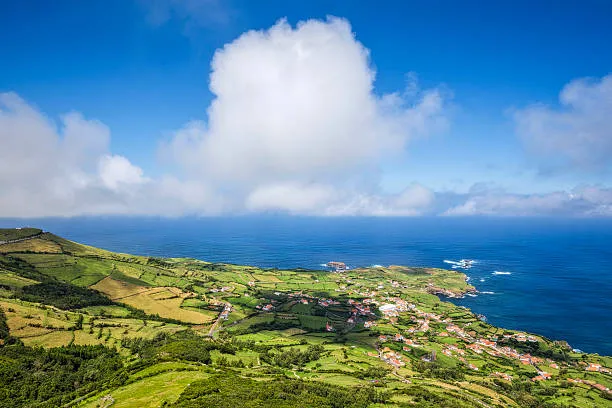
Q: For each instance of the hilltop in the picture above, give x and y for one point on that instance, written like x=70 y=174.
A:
x=80 y=326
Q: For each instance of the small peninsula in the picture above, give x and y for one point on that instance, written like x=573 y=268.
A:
x=85 y=327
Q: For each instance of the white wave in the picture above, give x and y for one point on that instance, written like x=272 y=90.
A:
x=471 y=295
x=487 y=293
x=501 y=273
x=482 y=279
x=376 y=266
x=461 y=264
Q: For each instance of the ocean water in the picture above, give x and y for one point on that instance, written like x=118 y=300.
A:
x=547 y=276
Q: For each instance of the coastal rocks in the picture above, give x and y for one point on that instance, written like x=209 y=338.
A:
x=434 y=290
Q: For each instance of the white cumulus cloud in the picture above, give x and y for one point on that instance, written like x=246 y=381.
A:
x=295 y=119
x=577 y=133
x=295 y=126
x=49 y=168
x=117 y=172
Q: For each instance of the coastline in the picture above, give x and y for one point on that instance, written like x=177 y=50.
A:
x=392 y=324
x=541 y=265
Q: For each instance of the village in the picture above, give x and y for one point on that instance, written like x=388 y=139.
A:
x=385 y=308
x=390 y=309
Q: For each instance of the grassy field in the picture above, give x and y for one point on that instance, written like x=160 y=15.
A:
x=9 y=234
x=150 y=391
x=118 y=290
x=38 y=245
x=163 y=301
x=14 y=281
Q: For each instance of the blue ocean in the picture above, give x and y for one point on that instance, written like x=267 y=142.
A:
x=548 y=276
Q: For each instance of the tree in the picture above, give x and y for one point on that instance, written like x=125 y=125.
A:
x=79 y=323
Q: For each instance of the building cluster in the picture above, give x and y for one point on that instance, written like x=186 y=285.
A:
x=391 y=357
x=491 y=347
x=298 y=297
x=327 y=302
x=395 y=284
x=265 y=308
x=388 y=310
x=521 y=337
x=394 y=307
x=450 y=350
x=223 y=289
x=399 y=338
x=542 y=376
x=593 y=367
x=504 y=376
x=227 y=309
x=359 y=309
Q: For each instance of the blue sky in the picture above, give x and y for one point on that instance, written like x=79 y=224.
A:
x=142 y=69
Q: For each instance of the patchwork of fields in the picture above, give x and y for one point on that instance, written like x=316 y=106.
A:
x=177 y=322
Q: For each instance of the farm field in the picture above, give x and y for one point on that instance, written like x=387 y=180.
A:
x=162 y=301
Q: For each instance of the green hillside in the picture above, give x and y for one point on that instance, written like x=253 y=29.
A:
x=14 y=234
x=83 y=327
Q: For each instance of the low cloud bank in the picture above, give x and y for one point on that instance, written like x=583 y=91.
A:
x=584 y=201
